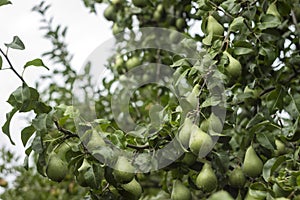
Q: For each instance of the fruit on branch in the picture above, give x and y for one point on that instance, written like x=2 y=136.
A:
x=272 y=10
x=280 y=148
x=234 y=67
x=159 y=13
x=123 y=170
x=200 y=142
x=3 y=183
x=133 y=189
x=189 y=158
x=207 y=179
x=110 y=13
x=214 y=27
x=180 y=191
x=213 y=122
x=140 y=3
x=185 y=132
x=252 y=165
x=63 y=149
x=116 y=29
x=193 y=97
x=237 y=178
x=95 y=140
x=133 y=62
x=56 y=169
x=180 y=24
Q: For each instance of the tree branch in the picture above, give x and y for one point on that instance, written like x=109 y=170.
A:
x=12 y=67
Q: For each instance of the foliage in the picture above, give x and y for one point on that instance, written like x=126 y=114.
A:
x=28 y=184
x=252 y=47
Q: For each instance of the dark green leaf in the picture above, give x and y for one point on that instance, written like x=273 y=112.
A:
x=242 y=51
x=236 y=24
x=4 y=2
x=5 y=127
x=266 y=140
x=16 y=44
x=269 y=21
x=271 y=165
x=26 y=134
x=36 y=62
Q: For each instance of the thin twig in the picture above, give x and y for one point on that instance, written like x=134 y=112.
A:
x=12 y=67
x=65 y=131
x=146 y=146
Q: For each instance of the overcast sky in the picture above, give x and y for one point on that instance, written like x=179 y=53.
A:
x=86 y=32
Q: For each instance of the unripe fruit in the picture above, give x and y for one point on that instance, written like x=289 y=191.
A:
x=116 y=2
x=193 y=98
x=272 y=10
x=185 y=132
x=95 y=140
x=116 y=29
x=124 y=171
x=280 y=148
x=140 y=3
x=252 y=165
x=56 y=169
x=3 y=183
x=237 y=178
x=180 y=23
x=200 y=142
x=133 y=188
x=207 y=180
x=132 y=62
x=234 y=67
x=189 y=158
x=214 y=27
x=221 y=195
x=180 y=191
x=110 y=13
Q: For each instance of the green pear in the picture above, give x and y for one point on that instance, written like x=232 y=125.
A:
x=237 y=178
x=272 y=10
x=220 y=195
x=180 y=191
x=185 y=132
x=140 y=3
x=200 y=142
x=280 y=148
x=234 y=67
x=110 y=13
x=193 y=98
x=3 y=182
x=252 y=165
x=133 y=189
x=95 y=141
x=189 y=158
x=124 y=171
x=207 y=179
x=116 y=29
x=180 y=23
x=56 y=169
x=132 y=62
x=204 y=125
x=214 y=27
x=215 y=123
x=62 y=150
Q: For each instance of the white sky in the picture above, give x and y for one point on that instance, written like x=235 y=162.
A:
x=86 y=32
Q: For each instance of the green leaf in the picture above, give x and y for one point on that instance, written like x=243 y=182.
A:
x=269 y=21
x=242 y=51
x=36 y=62
x=258 y=190
x=16 y=44
x=40 y=123
x=5 y=127
x=4 y=2
x=271 y=165
x=26 y=134
x=266 y=140
x=236 y=24
x=1 y=62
